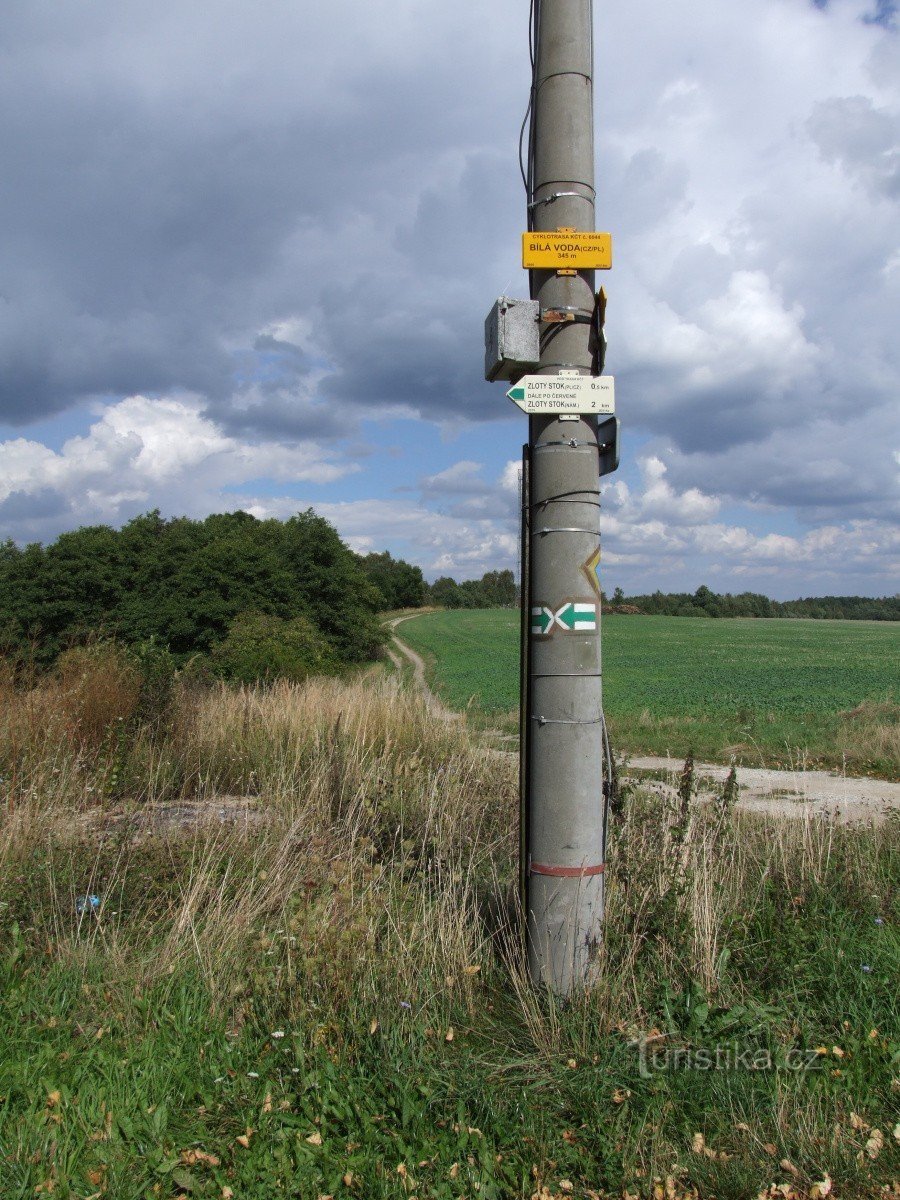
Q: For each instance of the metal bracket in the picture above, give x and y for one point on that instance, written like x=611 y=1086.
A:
x=597 y=336
x=555 y=500
x=560 y=314
x=567 y=675
x=554 y=196
x=571 y=443
x=608 y=439
x=566 y=872
x=563 y=721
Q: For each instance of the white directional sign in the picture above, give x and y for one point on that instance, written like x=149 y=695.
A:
x=567 y=392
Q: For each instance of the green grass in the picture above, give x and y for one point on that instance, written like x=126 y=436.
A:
x=472 y=656
x=129 y=1073
x=769 y=691
x=329 y=1000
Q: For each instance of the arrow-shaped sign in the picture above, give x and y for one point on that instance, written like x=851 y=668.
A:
x=567 y=392
x=591 y=569
x=577 y=618
x=541 y=620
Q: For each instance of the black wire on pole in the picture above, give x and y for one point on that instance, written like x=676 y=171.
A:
x=526 y=162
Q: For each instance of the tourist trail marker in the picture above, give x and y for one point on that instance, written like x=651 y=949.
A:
x=591 y=569
x=567 y=392
x=572 y=616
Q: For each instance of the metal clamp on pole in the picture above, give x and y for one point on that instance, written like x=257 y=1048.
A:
x=570 y=443
x=562 y=314
x=567 y=675
x=554 y=196
x=565 y=720
x=566 y=872
x=559 y=500
x=571 y=529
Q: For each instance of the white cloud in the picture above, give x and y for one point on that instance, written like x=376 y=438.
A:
x=668 y=536
x=462 y=547
x=463 y=478
x=659 y=499
x=252 y=261
x=142 y=452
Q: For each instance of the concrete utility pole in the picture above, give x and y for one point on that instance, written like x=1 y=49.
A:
x=572 y=441
x=564 y=744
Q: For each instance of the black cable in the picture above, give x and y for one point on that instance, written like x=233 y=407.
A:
x=530 y=97
x=546 y=337
x=526 y=164
x=521 y=163
x=534 y=33
x=610 y=782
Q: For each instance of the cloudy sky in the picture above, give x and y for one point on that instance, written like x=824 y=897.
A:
x=247 y=251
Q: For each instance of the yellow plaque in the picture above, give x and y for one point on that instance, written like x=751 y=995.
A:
x=551 y=250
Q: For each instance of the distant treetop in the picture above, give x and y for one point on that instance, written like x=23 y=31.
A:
x=706 y=603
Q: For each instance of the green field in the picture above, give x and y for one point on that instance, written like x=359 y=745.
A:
x=772 y=691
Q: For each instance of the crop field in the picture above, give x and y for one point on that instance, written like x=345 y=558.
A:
x=769 y=691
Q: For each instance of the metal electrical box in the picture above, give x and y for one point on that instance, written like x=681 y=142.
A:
x=512 y=342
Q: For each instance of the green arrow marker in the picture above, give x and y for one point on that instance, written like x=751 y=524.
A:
x=516 y=393
x=541 y=620
x=566 y=616
x=577 y=618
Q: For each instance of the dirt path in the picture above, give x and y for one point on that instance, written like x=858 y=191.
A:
x=776 y=793
x=435 y=705
x=780 y=793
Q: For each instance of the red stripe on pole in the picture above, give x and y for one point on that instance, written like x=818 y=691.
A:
x=567 y=872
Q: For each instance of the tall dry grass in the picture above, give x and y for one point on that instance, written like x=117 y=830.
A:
x=336 y=842
x=870 y=733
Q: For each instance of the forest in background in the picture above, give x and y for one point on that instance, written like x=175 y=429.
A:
x=706 y=603
x=243 y=597
x=231 y=595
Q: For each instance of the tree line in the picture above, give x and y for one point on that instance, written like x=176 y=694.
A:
x=495 y=589
x=244 y=597
x=707 y=603
x=233 y=595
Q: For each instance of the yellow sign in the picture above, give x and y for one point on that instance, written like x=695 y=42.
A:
x=564 y=248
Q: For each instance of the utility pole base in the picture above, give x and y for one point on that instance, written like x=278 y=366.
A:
x=563 y=944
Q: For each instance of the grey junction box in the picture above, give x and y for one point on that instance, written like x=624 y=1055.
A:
x=512 y=341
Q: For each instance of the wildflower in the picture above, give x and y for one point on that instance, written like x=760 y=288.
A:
x=866 y=969
x=405 y=1004
x=278 y=1033
x=253 y=1074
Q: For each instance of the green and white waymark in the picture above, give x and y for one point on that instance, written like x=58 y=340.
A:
x=573 y=616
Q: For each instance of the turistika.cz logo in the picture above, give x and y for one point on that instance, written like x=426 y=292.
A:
x=656 y=1054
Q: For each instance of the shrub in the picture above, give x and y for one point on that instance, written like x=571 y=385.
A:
x=98 y=688
x=261 y=647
